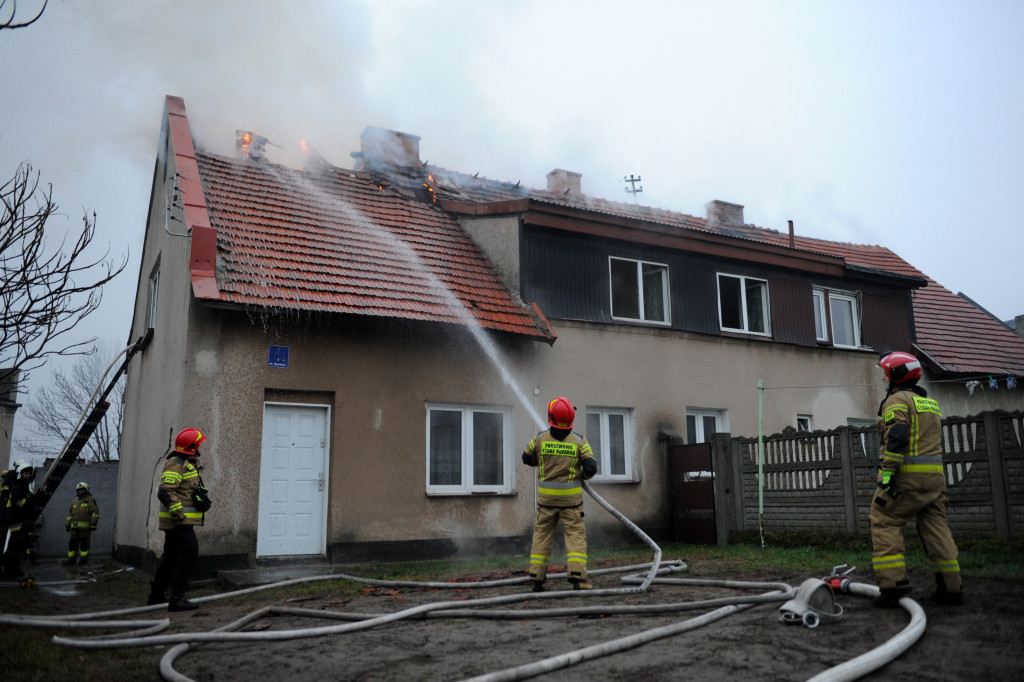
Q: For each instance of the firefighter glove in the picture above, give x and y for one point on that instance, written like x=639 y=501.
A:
x=886 y=483
x=177 y=516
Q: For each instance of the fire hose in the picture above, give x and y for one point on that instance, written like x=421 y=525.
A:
x=656 y=572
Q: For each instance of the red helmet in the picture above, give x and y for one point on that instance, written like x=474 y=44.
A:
x=900 y=368
x=189 y=440
x=561 y=413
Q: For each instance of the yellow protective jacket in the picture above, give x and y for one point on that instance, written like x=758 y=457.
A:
x=912 y=435
x=178 y=480
x=84 y=513
x=561 y=472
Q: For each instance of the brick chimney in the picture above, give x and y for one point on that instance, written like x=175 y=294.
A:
x=564 y=182
x=723 y=213
x=382 y=148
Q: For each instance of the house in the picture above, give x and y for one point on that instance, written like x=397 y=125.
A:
x=369 y=349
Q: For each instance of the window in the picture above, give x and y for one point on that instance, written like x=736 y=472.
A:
x=844 y=312
x=702 y=424
x=610 y=434
x=639 y=290
x=743 y=304
x=468 y=450
x=803 y=423
x=154 y=289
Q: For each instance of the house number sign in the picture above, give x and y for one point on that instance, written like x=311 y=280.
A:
x=277 y=356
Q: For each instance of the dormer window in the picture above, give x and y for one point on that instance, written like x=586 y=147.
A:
x=639 y=290
x=837 y=317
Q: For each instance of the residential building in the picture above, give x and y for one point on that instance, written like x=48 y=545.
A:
x=369 y=349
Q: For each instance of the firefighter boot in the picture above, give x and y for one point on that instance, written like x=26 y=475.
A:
x=179 y=603
x=82 y=561
x=538 y=585
x=890 y=597
x=944 y=596
x=581 y=585
x=70 y=561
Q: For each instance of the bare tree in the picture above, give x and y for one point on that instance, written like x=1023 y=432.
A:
x=9 y=14
x=44 y=293
x=59 y=406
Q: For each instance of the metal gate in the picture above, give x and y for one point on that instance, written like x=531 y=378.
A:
x=693 y=493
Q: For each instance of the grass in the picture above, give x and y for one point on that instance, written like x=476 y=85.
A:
x=29 y=654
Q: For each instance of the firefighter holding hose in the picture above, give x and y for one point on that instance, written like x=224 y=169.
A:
x=564 y=460
x=911 y=486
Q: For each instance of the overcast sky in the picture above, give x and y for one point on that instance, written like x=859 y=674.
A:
x=893 y=123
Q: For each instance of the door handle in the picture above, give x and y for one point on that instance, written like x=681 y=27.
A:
x=320 y=482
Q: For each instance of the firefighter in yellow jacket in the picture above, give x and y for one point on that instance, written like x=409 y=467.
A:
x=564 y=460
x=911 y=487
x=183 y=505
x=83 y=516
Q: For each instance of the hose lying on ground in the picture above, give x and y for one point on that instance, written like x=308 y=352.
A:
x=462 y=608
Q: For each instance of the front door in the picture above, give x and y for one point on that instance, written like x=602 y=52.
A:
x=293 y=484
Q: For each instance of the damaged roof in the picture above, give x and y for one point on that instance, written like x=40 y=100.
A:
x=335 y=242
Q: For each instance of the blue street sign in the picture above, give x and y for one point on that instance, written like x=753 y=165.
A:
x=278 y=356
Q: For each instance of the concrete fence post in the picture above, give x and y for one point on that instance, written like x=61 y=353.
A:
x=997 y=470
x=849 y=480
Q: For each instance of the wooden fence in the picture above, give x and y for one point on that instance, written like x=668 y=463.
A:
x=823 y=481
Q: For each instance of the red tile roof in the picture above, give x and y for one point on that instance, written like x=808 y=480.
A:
x=338 y=242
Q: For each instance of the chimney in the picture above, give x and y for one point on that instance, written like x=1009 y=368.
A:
x=381 y=148
x=792 y=235
x=564 y=182
x=723 y=213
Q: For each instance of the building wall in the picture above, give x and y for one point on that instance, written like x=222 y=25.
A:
x=661 y=373
x=957 y=401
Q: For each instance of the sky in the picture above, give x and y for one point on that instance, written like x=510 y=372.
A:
x=894 y=122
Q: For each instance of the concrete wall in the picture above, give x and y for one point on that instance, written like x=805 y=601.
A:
x=102 y=480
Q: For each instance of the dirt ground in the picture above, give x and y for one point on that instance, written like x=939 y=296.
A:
x=981 y=640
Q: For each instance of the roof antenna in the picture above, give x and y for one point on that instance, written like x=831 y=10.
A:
x=633 y=189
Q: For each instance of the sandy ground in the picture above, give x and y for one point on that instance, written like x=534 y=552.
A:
x=981 y=640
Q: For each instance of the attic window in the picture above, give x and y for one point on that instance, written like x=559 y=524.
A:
x=743 y=304
x=837 y=317
x=639 y=290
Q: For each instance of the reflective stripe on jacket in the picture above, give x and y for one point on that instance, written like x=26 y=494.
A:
x=560 y=480
x=84 y=513
x=178 y=480
x=923 y=419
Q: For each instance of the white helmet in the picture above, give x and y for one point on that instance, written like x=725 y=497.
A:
x=82 y=486
x=22 y=465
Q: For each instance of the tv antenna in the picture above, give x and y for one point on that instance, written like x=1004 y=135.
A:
x=633 y=180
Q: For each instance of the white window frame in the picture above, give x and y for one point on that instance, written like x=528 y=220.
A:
x=466 y=486
x=825 y=325
x=765 y=304
x=804 y=422
x=154 y=292
x=699 y=414
x=666 y=295
x=600 y=441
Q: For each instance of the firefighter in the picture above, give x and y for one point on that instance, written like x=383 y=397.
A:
x=83 y=516
x=18 y=509
x=565 y=460
x=183 y=506
x=911 y=486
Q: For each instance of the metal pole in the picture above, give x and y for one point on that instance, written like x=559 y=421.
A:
x=760 y=458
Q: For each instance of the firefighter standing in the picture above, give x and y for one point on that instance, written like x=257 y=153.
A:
x=83 y=516
x=565 y=460
x=911 y=486
x=183 y=506
x=17 y=510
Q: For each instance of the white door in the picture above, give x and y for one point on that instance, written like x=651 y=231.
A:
x=293 y=485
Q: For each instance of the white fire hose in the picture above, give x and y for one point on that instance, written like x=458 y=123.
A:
x=657 y=572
